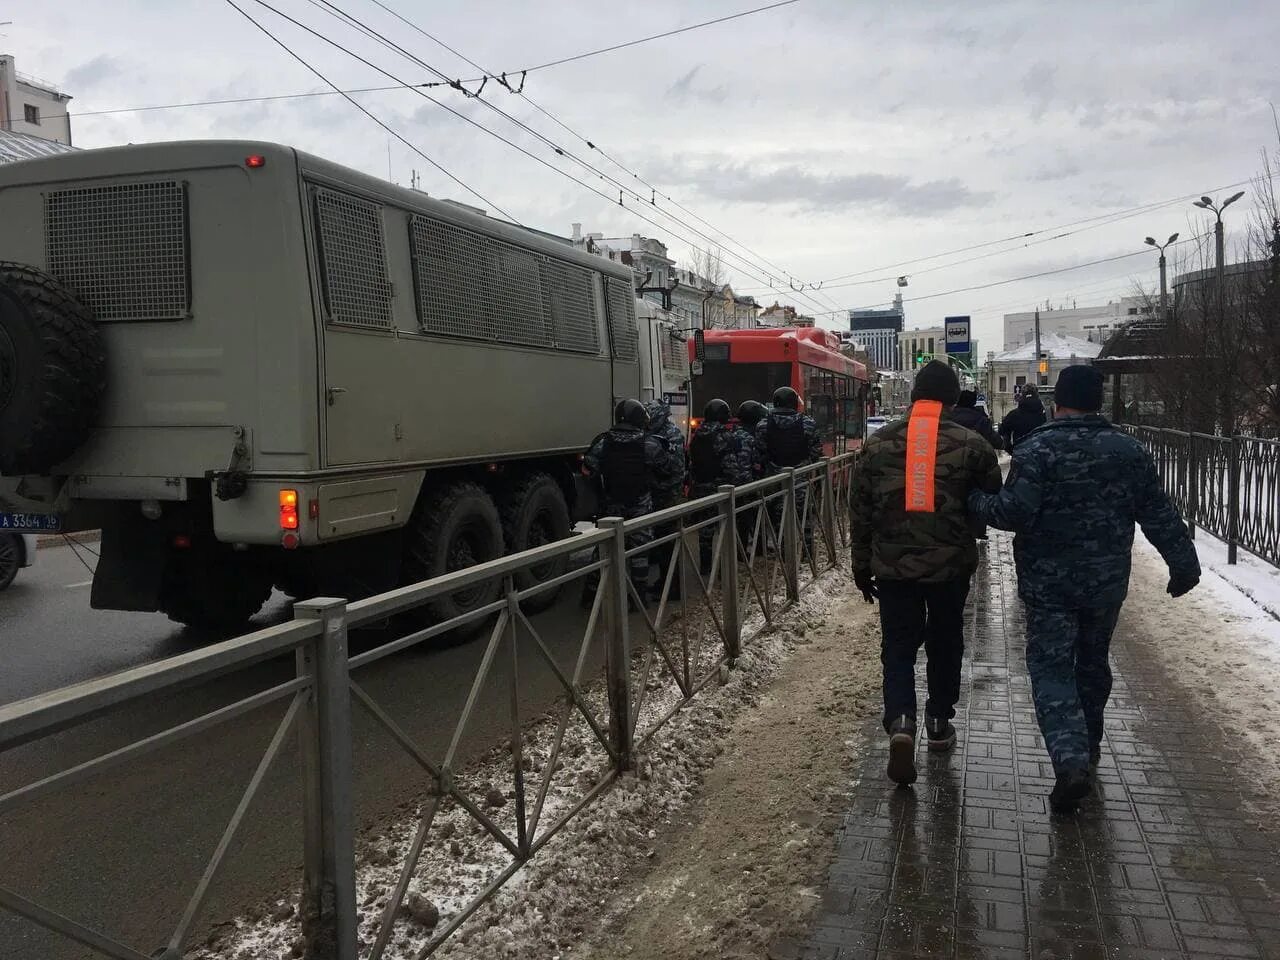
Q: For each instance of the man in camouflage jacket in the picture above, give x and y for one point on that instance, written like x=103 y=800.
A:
x=918 y=562
x=1074 y=492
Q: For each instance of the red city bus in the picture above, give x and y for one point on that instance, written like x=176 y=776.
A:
x=740 y=365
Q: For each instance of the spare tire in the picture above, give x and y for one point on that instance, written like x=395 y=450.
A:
x=52 y=371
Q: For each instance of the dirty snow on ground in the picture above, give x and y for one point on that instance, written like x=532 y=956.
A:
x=548 y=905
x=1222 y=641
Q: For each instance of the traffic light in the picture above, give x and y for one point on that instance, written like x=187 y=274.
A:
x=919 y=357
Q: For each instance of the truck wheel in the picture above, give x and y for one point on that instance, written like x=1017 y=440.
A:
x=454 y=527
x=534 y=513
x=10 y=558
x=213 y=588
x=52 y=371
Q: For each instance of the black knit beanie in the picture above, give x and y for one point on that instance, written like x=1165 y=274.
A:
x=937 y=381
x=1079 y=387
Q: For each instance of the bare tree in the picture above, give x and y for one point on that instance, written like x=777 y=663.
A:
x=708 y=272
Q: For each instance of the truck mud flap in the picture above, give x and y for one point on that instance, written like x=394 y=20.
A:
x=130 y=565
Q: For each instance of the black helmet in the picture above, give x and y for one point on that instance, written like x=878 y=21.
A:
x=785 y=398
x=717 y=411
x=751 y=412
x=632 y=412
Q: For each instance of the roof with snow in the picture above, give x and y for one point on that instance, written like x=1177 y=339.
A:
x=21 y=146
x=1055 y=346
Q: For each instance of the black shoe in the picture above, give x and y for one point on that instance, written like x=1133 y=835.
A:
x=941 y=734
x=902 y=751
x=1071 y=788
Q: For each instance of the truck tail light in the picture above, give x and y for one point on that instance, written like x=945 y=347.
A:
x=255 y=160
x=288 y=509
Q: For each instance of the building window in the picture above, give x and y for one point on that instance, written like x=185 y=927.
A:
x=931 y=346
x=1020 y=381
x=1133 y=311
x=1004 y=385
x=31 y=113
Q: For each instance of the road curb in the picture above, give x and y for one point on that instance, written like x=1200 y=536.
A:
x=57 y=539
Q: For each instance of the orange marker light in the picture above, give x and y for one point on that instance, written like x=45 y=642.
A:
x=288 y=509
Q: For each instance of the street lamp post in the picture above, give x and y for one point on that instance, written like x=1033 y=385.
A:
x=1164 y=292
x=1229 y=424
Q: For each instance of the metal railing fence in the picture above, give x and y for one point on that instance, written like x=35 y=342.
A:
x=1229 y=486
x=768 y=540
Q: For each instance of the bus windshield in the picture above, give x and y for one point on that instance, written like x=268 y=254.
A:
x=738 y=382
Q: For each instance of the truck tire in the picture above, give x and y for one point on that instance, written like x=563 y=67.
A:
x=534 y=513
x=10 y=558
x=213 y=588
x=454 y=527
x=52 y=371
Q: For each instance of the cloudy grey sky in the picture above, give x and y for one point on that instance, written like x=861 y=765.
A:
x=830 y=137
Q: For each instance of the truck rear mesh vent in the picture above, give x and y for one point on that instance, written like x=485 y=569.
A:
x=675 y=355
x=475 y=287
x=621 y=304
x=356 y=288
x=573 y=306
x=122 y=248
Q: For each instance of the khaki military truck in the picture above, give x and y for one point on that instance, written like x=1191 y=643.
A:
x=252 y=367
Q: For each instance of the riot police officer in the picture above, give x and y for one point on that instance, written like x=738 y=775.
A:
x=746 y=446
x=712 y=461
x=629 y=465
x=671 y=490
x=789 y=438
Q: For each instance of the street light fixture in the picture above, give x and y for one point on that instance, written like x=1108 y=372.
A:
x=1164 y=294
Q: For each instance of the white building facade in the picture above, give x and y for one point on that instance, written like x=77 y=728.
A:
x=695 y=301
x=930 y=341
x=1094 y=324
x=32 y=106
x=1006 y=373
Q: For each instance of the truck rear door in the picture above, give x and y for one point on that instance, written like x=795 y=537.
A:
x=361 y=412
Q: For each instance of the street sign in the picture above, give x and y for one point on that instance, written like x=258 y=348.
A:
x=957 y=334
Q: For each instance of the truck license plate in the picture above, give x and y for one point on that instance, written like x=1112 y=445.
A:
x=30 y=522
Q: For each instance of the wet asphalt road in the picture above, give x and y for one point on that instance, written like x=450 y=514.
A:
x=123 y=851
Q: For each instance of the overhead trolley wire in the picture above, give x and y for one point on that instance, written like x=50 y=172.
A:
x=350 y=20
x=385 y=126
x=591 y=144
x=752 y=269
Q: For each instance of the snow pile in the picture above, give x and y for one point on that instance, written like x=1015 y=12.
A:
x=1254 y=580
x=547 y=906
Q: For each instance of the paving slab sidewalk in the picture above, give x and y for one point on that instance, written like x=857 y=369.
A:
x=1167 y=860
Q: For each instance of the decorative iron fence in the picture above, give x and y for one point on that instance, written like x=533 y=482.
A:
x=736 y=559
x=1229 y=486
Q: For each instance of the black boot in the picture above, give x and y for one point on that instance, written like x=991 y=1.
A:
x=1071 y=788
x=941 y=734
x=902 y=751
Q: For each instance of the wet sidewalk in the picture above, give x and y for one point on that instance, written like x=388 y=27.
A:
x=1161 y=862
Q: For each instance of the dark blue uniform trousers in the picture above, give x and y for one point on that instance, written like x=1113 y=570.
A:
x=1068 y=660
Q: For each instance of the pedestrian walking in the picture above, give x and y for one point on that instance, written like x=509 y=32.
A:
x=967 y=414
x=1075 y=490
x=629 y=464
x=914 y=552
x=1025 y=417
